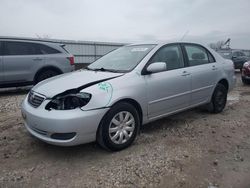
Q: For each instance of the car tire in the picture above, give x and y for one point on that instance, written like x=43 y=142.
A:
x=119 y=127
x=245 y=81
x=219 y=99
x=45 y=75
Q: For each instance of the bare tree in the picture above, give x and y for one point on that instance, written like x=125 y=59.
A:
x=218 y=45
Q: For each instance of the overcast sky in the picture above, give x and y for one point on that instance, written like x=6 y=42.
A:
x=128 y=20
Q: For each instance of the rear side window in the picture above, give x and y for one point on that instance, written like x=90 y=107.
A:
x=171 y=55
x=198 y=55
x=20 y=48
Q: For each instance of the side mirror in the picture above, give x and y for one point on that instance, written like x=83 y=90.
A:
x=157 y=67
x=234 y=57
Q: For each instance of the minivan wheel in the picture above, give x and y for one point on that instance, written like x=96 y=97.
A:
x=119 y=127
x=219 y=99
x=45 y=75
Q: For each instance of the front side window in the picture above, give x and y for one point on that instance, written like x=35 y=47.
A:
x=123 y=59
x=196 y=55
x=171 y=55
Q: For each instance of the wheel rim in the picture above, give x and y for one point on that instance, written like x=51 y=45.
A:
x=220 y=99
x=121 y=127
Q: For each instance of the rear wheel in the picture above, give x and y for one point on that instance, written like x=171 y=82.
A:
x=45 y=75
x=119 y=127
x=219 y=99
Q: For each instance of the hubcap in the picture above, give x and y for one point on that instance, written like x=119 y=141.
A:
x=220 y=98
x=121 y=127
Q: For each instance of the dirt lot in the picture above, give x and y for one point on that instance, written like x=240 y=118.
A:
x=190 y=149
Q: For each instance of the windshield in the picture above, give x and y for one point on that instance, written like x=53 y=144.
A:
x=123 y=59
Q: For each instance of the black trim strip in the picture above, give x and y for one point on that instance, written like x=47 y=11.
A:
x=77 y=90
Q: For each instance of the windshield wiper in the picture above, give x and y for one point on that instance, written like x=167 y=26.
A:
x=103 y=69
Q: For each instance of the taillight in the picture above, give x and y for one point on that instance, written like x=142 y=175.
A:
x=71 y=60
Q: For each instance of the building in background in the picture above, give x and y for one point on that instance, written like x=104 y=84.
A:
x=87 y=52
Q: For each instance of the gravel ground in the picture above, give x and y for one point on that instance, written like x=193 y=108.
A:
x=190 y=149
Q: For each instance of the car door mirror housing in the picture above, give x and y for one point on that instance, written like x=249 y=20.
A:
x=157 y=67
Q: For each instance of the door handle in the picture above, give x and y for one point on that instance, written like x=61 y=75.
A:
x=185 y=73
x=37 y=59
x=214 y=67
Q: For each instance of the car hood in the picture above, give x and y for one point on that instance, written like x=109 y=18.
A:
x=73 y=80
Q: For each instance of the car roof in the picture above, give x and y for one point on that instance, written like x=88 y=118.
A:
x=20 y=39
x=165 y=42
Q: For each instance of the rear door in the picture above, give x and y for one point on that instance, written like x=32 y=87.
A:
x=20 y=61
x=204 y=71
x=1 y=63
x=168 y=91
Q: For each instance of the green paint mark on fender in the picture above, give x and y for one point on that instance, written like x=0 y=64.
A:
x=106 y=86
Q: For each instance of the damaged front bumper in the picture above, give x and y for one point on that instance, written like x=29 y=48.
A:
x=62 y=127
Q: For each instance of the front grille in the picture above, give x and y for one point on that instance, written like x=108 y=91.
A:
x=35 y=99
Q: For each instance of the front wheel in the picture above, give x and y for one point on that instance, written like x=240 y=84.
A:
x=119 y=127
x=219 y=99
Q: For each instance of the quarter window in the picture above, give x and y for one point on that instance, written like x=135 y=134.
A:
x=171 y=55
x=47 y=50
x=196 y=55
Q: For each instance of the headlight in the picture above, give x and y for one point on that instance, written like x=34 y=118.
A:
x=69 y=101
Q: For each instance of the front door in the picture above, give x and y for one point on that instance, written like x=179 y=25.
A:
x=168 y=91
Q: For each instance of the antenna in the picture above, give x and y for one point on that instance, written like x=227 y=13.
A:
x=184 y=35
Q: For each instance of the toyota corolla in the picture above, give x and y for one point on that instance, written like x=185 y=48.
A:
x=109 y=100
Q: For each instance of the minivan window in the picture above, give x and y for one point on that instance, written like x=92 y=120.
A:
x=43 y=49
x=27 y=48
x=196 y=55
x=20 y=48
x=171 y=55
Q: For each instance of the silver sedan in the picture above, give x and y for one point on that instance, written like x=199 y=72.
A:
x=109 y=100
